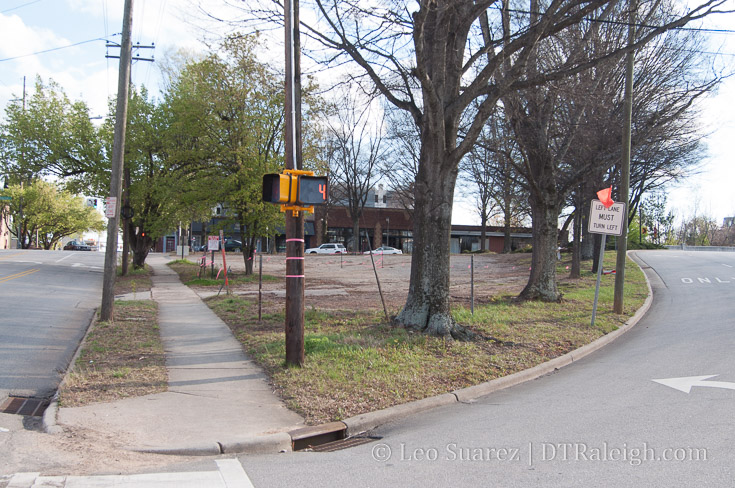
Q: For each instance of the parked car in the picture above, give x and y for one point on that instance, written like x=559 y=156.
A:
x=233 y=245
x=76 y=246
x=385 y=250
x=330 y=248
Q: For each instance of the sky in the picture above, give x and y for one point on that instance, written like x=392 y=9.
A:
x=65 y=40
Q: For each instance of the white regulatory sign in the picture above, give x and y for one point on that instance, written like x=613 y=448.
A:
x=213 y=243
x=110 y=207
x=606 y=220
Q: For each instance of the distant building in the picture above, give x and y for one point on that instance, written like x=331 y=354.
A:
x=4 y=230
x=384 y=221
x=5 y=241
x=728 y=221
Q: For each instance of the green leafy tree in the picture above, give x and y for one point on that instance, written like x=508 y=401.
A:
x=227 y=132
x=49 y=135
x=656 y=219
x=41 y=208
x=156 y=194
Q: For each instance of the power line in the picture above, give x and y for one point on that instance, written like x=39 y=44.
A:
x=19 y=6
x=56 y=48
x=645 y=26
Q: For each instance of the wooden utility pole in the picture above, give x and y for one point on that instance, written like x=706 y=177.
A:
x=625 y=176
x=118 y=152
x=134 y=56
x=21 y=233
x=294 y=219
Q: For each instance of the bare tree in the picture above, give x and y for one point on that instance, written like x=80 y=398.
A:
x=491 y=174
x=571 y=131
x=354 y=150
x=401 y=163
x=430 y=59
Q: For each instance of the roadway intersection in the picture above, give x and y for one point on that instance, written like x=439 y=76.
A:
x=655 y=408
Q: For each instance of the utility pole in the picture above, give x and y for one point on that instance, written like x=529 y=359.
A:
x=126 y=212
x=625 y=177
x=294 y=219
x=118 y=152
x=21 y=237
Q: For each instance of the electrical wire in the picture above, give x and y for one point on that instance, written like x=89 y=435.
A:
x=643 y=26
x=19 y=6
x=56 y=48
x=157 y=33
x=106 y=21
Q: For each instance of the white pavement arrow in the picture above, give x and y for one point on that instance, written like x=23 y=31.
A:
x=686 y=384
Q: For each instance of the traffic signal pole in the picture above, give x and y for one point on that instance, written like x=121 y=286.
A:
x=294 y=218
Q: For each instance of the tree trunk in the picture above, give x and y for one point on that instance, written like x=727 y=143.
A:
x=248 y=246
x=356 y=235
x=126 y=226
x=141 y=246
x=483 y=232
x=597 y=239
x=542 y=280
x=507 y=239
x=588 y=240
x=576 y=271
x=248 y=253
x=427 y=307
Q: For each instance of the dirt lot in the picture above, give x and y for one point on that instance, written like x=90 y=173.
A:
x=348 y=282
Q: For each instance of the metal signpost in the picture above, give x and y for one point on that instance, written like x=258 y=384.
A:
x=606 y=220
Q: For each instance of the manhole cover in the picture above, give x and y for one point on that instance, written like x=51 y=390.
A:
x=344 y=444
x=24 y=406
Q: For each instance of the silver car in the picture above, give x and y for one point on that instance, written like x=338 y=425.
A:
x=385 y=250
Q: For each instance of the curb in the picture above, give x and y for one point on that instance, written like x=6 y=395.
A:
x=369 y=421
x=48 y=422
x=265 y=444
x=359 y=424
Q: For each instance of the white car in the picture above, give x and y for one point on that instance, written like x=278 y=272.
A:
x=331 y=248
x=385 y=250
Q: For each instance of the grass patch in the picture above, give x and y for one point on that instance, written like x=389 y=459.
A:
x=355 y=363
x=189 y=275
x=120 y=359
x=136 y=281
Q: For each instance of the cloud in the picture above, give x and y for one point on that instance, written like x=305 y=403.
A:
x=19 y=39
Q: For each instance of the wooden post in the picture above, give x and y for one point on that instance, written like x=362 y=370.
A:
x=625 y=176
x=118 y=151
x=472 y=284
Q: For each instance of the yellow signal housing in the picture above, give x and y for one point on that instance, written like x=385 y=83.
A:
x=278 y=188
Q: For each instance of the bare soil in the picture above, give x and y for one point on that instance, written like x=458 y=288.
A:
x=337 y=282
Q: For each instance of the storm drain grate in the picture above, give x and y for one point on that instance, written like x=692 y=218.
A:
x=344 y=444
x=24 y=406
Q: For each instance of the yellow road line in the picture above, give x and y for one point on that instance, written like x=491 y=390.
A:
x=18 y=275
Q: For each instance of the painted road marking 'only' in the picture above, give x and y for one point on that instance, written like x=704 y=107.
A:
x=706 y=281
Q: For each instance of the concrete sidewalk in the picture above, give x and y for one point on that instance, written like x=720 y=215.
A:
x=218 y=399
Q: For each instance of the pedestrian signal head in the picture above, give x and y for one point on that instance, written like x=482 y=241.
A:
x=312 y=190
x=295 y=189
x=279 y=188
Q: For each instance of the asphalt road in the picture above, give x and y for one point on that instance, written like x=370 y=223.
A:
x=47 y=299
x=602 y=421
